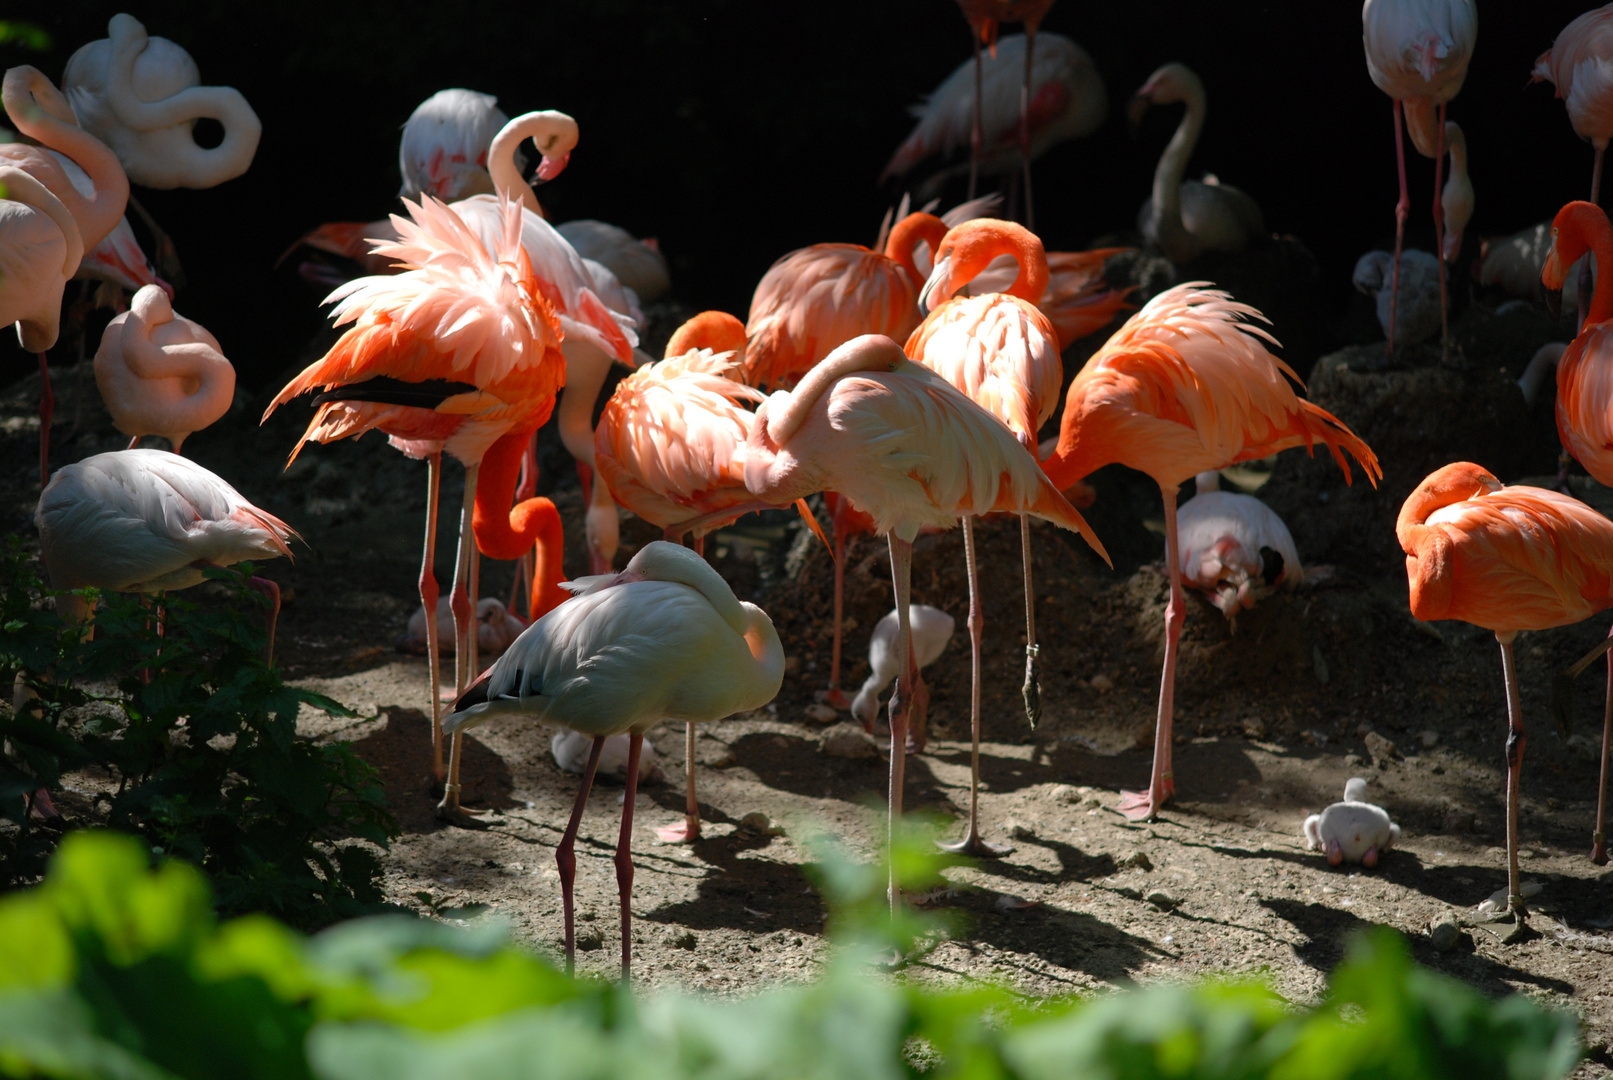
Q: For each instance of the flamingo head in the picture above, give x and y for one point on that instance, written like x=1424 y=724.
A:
x=969 y=248
x=1570 y=240
x=1171 y=83
x=551 y=167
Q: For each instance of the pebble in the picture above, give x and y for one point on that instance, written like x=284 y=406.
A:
x=1429 y=739
x=1254 y=728
x=1019 y=830
x=1162 y=901
x=758 y=822
x=1353 y=760
x=589 y=938
x=724 y=760
x=1101 y=683
x=820 y=713
x=679 y=939
x=1136 y=861
x=850 y=741
x=1380 y=747
x=1445 y=933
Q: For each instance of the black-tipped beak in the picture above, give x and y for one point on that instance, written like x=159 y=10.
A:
x=1554 y=302
x=1135 y=112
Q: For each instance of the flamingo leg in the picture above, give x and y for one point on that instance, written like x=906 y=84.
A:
x=1439 y=237
x=972 y=844
x=47 y=407
x=1144 y=805
x=464 y=634
x=1032 y=689
x=428 y=600
x=1599 y=838
x=689 y=828
x=1402 y=208
x=624 y=851
x=975 y=137
x=1584 y=304
x=1516 y=741
x=134 y=444
x=272 y=592
x=836 y=698
x=565 y=856
x=1025 y=125
x=901 y=701
x=475 y=637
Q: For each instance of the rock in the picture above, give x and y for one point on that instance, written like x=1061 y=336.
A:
x=589 y=938
x=1101 y=683
x=758 y=822
x=1136 y=861
x=1064 y=793
x=1353 y=760
x=849 y=741
x=792 y=665
x=724 y=759
x=1162 y=901
x=679 y=938
x=1019 y=830
x=1445 y=933
x=1254 y=728
x=820 y=713
x=1380 y=747
x=1429 y=739
x=1459 y=821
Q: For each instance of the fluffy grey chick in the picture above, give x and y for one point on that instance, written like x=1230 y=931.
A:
x=1418 y=316
x=932 y=629
x=1353 y=830
x=570 y=751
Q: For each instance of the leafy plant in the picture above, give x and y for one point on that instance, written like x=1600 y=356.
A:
x=195 y=739
x=112 y=968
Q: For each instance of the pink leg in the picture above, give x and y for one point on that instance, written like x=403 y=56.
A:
x=972 y=844
x=475 y=600
x=134 y=443
x=1025 y=126
x=901 y=701
x=1599 y=838
x=464 y=653
x=47 y=408
x=1584 y=304
x=1032 y=690
x=835 y=698
x=428 y=599
x=565 y=856
x=272 y=591
x=1335 y=854
x=624 y=852
x=975 y=138
x=687 y=830
x=1144 y=805
x=1370 y=859
x=1402 y=208
x=1516 y=741
x=1439 y=237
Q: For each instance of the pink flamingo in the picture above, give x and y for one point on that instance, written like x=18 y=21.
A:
x=40 y=250
x=161 y=373
x=1579 y=65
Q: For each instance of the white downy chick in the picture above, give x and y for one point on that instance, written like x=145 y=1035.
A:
x=932 y=629
x=1417 y=317
x=1234 y=548
x=1353 y=830
x=570 y=751
x=496 y=628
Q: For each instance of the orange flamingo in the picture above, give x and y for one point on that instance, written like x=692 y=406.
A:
x=984 y=17
x=1001 y=352
x=910 y=450
x=460 y=352
x=1506 y=559
x=1184 y=387
x=814 y=299
x=40 y=112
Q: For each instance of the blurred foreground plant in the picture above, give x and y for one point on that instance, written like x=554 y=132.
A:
x=114 y=969
x=193 y=742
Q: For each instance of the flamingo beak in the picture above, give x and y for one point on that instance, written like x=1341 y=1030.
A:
x=938 y=288
x=549 y=167
x=1137 y=109
x=1554 y=302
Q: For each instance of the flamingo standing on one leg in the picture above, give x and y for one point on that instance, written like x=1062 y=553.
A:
x=1186 y=386
x=40 y=112
x=1579 y=65
x=665 y=638
x=40 y=250
x=984 y=17
x=161 y=373
x=1506 y=559
x=1003 y=353
x=1417 y=52
x=910 y=450
x=460 y=352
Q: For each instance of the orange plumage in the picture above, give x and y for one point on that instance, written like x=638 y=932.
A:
x=1585 y=372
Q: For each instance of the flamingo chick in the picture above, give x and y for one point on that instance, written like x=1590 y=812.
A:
x=496 y=627
x=1235 y=549
x=665 y=639
x=571 y=750
x=1354 y=830
x=932 y=630
x=161 y=373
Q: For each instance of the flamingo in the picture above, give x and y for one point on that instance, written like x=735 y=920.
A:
x=1187 y=218
x=161 y=373
x=1187 y=385
x=1353 y=830
x=1507 y=559
x=1456 y=199
x=816 y=298
x=1413 y=310
x=1001 y=352
x=460 y=352
x=983 y=17
x=1579 y=65
x=117 y=262
x=932 y=630
x=496 y=627
x=1417 y=52
x=910 y=450
x=1067 y=100
x=443 y=151
x=571 y=749
x=1234 y=548
x=40 y=112
x=139 y=95
x=639 y=264
x=664 y=639
x=147 y=521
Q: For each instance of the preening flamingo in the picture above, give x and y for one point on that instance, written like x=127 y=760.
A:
x=1352 y=831
x=40 y=112
x=148 y=521
x=1580 y=65
x=1507 y=559
x=1234 y=548
x=161 y=373
x=910 y=450
x=932 y=630
x=1417 y=52
x=139 y=95
x=665 y=639
x=638 y=264
x=117 y=262
x=1187 y=385
x=460 y=352
x=1067 y=101
x=816 y=298
x=443 y=151
x=1187 y=218
x=1002 y=353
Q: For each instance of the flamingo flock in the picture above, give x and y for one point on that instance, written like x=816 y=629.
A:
x=897 y=390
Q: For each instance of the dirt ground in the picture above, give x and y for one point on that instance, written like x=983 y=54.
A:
x=1272 y=719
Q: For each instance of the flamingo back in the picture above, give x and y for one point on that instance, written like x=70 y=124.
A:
x=1578 y=64
x=998 y=350
x=1419 y=48
x=1585 y=400
x=443 y=151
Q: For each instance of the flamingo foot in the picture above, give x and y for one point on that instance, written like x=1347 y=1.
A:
x=835 y=698
x=1599 y=849
x=684 y=832
x=1370 y=859
x=451 y=812
x=974 y=846
x=40 y=808
x=1335 y=854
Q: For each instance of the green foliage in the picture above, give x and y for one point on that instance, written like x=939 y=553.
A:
x=196 y=739
x=114 y=969
x=26 y=34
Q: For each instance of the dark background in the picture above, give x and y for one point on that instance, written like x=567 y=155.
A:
x=736 y=131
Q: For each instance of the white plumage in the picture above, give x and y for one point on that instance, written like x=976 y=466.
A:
x=1417 y=52
x=496 y=628
x=443 y=151
x=932 y=630
x=1234 y=548
x=570 y=751
x=1354 y=830
x=639 y=264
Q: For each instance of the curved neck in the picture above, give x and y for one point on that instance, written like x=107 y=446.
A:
x=22 y=188
x=1453 y=484
x=908 y=234
x=986 y=239
x=765 y=647
x=198 y=358
x=1581 y=227
x=503 y=533
x=547 y=130
x=714 y=330
x=1173 y=162
x=871 y=352
x=1456 y=143
x=34 y=105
